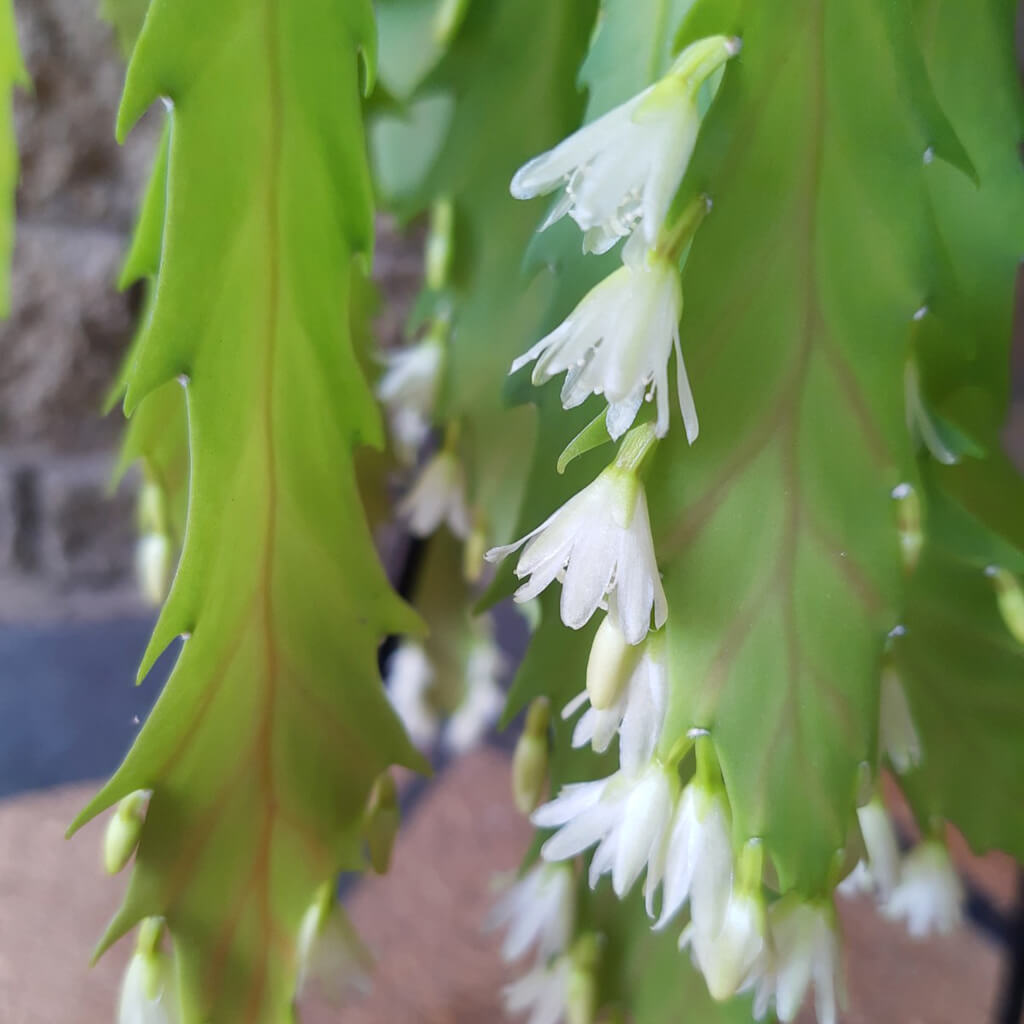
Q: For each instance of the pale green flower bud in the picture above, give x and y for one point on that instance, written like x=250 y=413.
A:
x=123 y=831
x=581 y=987
x=611 y=663
x=908 y=521
x=448 y=19
x=439 y=244
x=382 y=821
x=530 y=761
x=1010 y=598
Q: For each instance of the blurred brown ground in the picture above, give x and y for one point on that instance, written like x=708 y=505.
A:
x=435 y=966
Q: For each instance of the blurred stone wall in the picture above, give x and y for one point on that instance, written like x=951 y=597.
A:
x=65 y=541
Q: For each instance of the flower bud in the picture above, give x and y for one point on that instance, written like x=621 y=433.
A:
x=448 y=19
x=473 y=554
x=1010 y=598
x=153 y=566
x=530 y=760
x=148 y=992
x=329 y=950
x=898 y=735
x=123 y=831
x=581 y=993
x=382 y=821
x=438 y=257
x=610 y=664
x=908 y=521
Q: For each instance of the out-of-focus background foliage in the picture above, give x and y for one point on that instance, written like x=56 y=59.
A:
x=72 y=628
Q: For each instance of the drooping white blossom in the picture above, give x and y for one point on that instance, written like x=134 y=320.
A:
x=438 y=496
x=625 y=814
x=805 y=951
x=408 y=388
x=929 y=896
x=538 y=911
x=897 y=733
x=543 y=992
x=598 y=543
x=482 y=700
x=696 y=862
x=881 y=870
x=329 y=951
x=617 y=343
x=732 y=955
x=636 y=710
x=624 y=168
x=149 y=989
x=409 y=678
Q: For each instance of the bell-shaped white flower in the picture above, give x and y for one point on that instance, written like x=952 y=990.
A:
x=617 y=343
x=438 y=496
x=543 y=992
x=636 y=709
x=897 y=733
x=806 y=951
x=598 y=543
x=929 y=896
x=881 y=870
x=408 y=388
x=696 y=862
x=626 y=166
x=538 y=911
x=625 y=814
x=149 y=988
x=482 y=700
x=329 y=950
x=409 y=678
x=413 y=375
x=731 y=955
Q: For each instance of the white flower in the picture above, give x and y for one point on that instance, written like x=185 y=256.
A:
x=330 y=952
x=412 y=376
x=637 y=712
x=626 y=166
x=625 y=814
x=857 y=882
x=542 y=992
x=539 y=910
x=598 y=543
x=806 y=950
x=148 y=992
x=731 y=955
x=409 y=678
x=482 y=701
x=617 y=343
x=409 y=390
x=882 y=869
x=696 y=862
x=929 y=896
x=438 y=496
x=897 y=733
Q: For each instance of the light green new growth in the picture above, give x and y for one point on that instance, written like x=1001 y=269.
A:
x=12 y=73
x=264 y=745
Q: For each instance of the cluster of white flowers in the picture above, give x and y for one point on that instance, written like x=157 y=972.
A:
x=619 y=175
x=921 y=888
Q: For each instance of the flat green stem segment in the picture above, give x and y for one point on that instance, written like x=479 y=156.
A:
x=264 y=745
x=776 y=531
